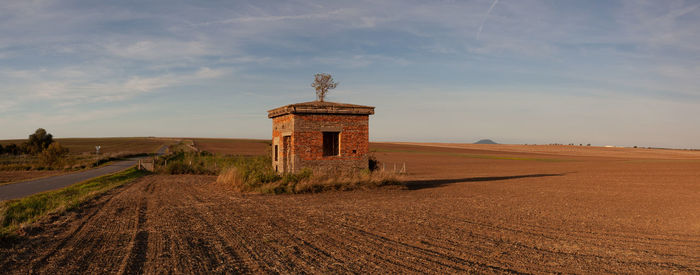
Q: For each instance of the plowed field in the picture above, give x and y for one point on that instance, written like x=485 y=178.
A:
x=464 y=210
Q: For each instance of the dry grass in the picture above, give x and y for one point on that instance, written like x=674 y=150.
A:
x=231 y=177
x=342 y=182
x=307 y=181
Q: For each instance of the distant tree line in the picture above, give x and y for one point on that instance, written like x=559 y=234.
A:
x=39 y=143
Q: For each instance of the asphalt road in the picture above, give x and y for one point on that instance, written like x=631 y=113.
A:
x=26 y=188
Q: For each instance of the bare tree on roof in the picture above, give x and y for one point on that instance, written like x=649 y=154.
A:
x=322 y=83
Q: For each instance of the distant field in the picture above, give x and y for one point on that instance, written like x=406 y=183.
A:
x=115 y=145
x=250 y=147
x=108 y=145
x=571 y=150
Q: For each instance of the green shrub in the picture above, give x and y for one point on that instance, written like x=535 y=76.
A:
x=53 y=154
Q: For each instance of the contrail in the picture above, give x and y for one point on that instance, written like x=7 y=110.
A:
x=481 y=27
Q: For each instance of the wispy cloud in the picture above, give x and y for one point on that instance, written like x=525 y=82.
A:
x=78 y=89
x=72 y=58
x=159 y=49
x=68 y=116
x=481 y=26
x=274 y=18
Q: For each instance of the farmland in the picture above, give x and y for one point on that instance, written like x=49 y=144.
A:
x=81 y=156
x=465 y=208
x=247 y=147
x=108 y=145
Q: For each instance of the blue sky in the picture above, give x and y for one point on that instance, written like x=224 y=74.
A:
x=602 y=72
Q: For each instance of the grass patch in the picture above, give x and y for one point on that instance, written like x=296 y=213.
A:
x=197 y=163
x=186 y=146
x=16 y=213
x=467 y=155
x=257 y=177
x=255 y=173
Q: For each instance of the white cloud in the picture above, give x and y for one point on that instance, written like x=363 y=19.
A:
x=673 y=24
x=148 y=84
x=277 y=18
x=361 y=60
x=82 y=87
x=6 y=104
x=680 y=72
x=70 y=116
x=159 y=49
x=205 y=73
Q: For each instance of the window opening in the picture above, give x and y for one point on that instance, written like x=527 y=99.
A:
x=331 y=143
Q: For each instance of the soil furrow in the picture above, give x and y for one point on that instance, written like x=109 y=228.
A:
x=189 y=224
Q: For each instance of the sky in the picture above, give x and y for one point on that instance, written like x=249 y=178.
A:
x=624 y=73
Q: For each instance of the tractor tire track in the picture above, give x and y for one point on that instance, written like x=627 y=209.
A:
x=189 y=224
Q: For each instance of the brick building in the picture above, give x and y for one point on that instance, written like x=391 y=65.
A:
x=320 y=135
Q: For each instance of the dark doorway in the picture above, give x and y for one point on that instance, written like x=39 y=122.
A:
x=286 y=144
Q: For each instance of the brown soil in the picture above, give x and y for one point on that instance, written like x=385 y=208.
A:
x=464 y=210
x=15 y=176
x=571 y=150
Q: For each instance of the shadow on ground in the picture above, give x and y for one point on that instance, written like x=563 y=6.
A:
x=422 y=184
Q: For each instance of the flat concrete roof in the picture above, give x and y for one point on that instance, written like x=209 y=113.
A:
x=321 y=107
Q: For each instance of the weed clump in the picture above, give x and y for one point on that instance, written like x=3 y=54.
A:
x=305 y=181
x=255 y=174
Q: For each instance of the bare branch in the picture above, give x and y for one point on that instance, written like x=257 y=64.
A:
x=322 y=83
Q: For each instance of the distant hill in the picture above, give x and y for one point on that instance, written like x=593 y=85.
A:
x=485 y=141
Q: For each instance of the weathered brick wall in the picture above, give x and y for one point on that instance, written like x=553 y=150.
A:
x=307 y=140
x=282 y=125
x=354 y=141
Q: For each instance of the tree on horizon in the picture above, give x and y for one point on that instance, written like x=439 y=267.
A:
x=38 y=141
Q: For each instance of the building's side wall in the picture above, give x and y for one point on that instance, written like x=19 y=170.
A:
x=282 y=126
x=308 y=141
